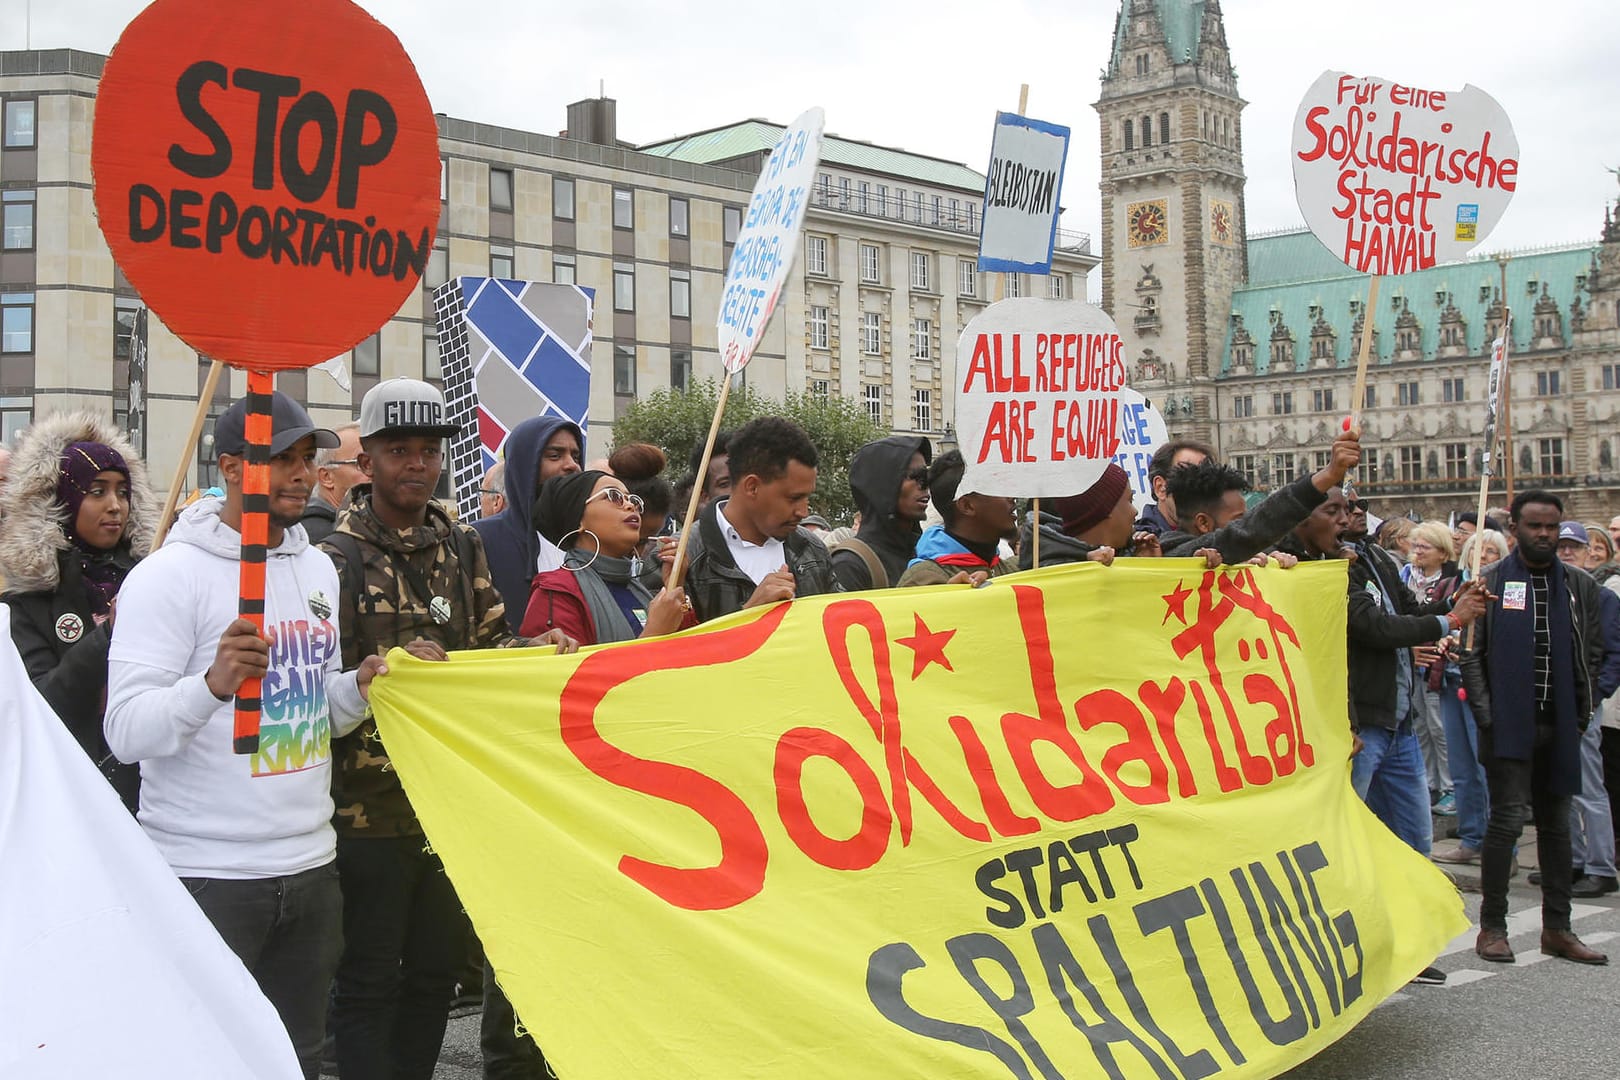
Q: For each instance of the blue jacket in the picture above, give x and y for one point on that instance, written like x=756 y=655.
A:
x=511 y=543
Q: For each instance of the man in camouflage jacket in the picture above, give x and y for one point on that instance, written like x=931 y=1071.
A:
x=407 y=574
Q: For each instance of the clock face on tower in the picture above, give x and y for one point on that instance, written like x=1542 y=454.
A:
x=1146 y=223
x=1220 y=221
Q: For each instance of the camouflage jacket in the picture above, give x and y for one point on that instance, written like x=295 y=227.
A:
x=381 y=604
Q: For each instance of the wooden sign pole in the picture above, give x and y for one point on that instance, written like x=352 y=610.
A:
x=1507 y=386
x=1358 y=396
x=173 y=499
x=677 y=572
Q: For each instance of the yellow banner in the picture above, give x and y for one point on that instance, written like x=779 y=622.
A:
x=1091 y=821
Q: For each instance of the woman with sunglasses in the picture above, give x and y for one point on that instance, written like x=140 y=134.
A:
x=596 y=597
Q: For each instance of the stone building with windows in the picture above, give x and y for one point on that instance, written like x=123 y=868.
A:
x=1251 y=341
x=885 y=280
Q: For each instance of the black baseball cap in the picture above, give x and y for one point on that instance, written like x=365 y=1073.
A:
x=288 y=424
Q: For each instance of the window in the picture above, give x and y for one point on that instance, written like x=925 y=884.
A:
x=1015 y=284
x=1322 y=400
x=624 y=371
x=562 y=198
x=1147 y=132
x=500 y=263
x=815 y=254
x=922 y=339
x=921 y=267
x=843 y=193
x=939 y=208
x=16 y=413
x=1547 y=383
x=900 y=203
x=922 y=410
x=679 y=217
x=872 y=398
x=1451 y=389
x=1282 y=469
x=624 y=209
x=863 y=204
x=437 y=271
x=1408 y=394
x=732 y=217
x=624 y=287
x=1411 y=464
x=818 y=326
x=1243 y=406
x=1244 y=463
x=19 y=125
x=207 y=462
x=1370 y=401
x=680 y=294
x=967 y=277
x=1130 y=135
x=16 y=322
x=680 y=369
x=1164 y=127
x=500 y=190
x=1054 y=286
x=883 y=200
x=870 y=269
x=820 y=388
x=1282 y=403
x=444 y=179
x=432 y=362
x=871 y=333
x=1611 y=376
x=368 y=356
x=1319 y=460
x=1552 y=457
x=563 y=269
x=1456 y=461
x=17 y=220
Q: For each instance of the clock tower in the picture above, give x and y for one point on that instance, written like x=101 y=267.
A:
x=1172 y=201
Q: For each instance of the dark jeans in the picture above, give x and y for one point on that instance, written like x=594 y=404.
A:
x=507 y=1054
x=288 y=932
x=405 y=938
x=1516 y=788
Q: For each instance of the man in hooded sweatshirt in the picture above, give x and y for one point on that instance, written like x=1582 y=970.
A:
x=407 y=572
x=249 y=835
x=536 y=450
x=889 y=479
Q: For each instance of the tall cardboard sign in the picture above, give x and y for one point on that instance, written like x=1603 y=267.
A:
x=1142 y=431
x=1395 y=178
x=1038 y=397
x=266 y=175
x=1021 y=193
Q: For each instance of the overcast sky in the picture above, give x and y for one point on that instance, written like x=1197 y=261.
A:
x=929 y=76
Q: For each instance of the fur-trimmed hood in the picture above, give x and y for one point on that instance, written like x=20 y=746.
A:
x=32 y=540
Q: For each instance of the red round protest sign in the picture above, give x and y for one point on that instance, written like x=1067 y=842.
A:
x=266 y=174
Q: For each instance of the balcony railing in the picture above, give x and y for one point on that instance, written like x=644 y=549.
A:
x=924 y=211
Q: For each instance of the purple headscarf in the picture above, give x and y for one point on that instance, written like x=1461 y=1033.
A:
x=101 y=571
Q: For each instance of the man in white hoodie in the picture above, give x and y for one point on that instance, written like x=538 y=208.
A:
x=249 y=835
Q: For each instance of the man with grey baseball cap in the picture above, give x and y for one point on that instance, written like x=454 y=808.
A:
x=405 y=405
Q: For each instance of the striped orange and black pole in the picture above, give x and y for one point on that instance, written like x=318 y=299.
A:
x=255 y=545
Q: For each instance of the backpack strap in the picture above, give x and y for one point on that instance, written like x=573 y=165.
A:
x=863 y=551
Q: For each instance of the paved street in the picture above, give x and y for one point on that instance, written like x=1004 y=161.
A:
x=1537 y=1018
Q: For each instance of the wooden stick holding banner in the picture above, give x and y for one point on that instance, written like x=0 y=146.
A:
x=1507 y=386
x=172 y=500
x=760 y=263
x=217 y=293
x=1494 y=387
x=1035 y=514
x=1358 y=396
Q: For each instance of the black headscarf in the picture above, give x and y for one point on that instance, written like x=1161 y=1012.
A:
x=561 y=505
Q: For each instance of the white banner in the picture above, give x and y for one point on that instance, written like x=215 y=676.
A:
x=110 y=969
x=1021 y=192
x=1395 y=178
x=1038 y=395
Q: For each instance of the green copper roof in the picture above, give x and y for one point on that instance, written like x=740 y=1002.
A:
x=1291 y=273
x=1182 y=21
x=752 y=136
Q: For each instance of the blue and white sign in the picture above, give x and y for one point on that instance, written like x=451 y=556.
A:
x=763 y=255
x=1021 y=193
x=1142 y=431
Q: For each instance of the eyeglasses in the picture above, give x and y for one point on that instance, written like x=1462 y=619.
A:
x=618 y=497
x=490 y=491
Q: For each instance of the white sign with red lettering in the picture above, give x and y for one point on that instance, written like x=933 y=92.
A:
x=1038 y=394
x=1395 y=178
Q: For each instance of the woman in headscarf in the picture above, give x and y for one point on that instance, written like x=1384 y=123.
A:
x=75 y=516
x=596 y=597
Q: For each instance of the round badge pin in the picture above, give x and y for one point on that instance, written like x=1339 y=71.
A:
x=439 y=608
x=70 y=628
x=319 y=605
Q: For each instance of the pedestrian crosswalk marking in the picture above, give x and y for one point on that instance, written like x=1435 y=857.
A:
x=1519 y=922
x=1466 y=976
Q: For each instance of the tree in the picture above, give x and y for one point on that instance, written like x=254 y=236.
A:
x=678 y=420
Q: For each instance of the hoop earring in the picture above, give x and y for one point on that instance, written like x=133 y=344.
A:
x=567 y=551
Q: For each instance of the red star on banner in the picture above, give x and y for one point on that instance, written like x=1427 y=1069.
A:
x=929 y=647
x=1175 y=603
